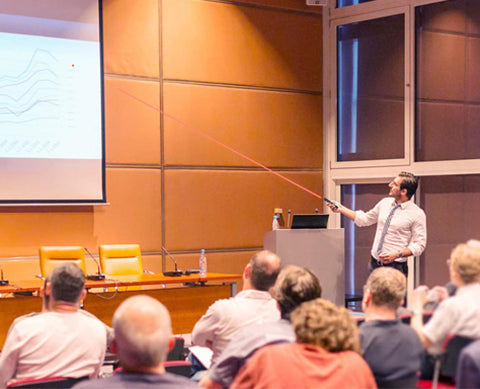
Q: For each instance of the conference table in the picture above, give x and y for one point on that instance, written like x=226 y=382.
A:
x=187 y=297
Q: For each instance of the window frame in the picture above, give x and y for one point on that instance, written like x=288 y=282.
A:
x=338 y=173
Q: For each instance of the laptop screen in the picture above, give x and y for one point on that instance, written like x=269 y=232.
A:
x=316 y=220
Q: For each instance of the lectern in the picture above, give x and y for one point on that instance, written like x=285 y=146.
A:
x=320 y=250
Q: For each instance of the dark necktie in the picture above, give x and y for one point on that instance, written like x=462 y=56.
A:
x=385 y=228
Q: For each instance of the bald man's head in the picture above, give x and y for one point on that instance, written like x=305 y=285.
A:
x=265 y=267
x=142 y=332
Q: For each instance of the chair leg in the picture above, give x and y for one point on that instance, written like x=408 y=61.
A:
x=436 y=373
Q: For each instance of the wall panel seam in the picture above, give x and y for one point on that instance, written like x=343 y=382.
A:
x=241 y=86
x=241 y=168
x=445 y=101
x=24 y=258
x=450 y=32
x=132 y=166
x=162 y=132
x=115 y=76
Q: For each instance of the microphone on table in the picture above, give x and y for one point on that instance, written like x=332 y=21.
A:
x=3 y=281
x=176 y=272
x=288 y=219
x=95 y=277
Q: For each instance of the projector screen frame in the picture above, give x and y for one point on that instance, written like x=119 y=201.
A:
x=101 y=172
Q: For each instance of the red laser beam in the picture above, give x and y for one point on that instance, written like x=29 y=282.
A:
x=191 y=128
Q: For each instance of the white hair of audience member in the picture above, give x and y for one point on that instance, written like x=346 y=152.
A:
x=142 y=329
x=474 y=243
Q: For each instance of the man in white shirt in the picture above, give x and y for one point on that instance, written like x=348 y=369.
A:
x=401 y=224
x=62 y=341
x=459 y=314
x=253 y=304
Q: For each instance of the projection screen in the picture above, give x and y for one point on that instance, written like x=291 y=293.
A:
x=51 y=102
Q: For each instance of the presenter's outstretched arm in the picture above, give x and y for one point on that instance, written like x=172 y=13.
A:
x=339 y=208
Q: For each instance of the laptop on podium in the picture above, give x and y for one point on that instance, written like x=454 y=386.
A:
x=315 y=220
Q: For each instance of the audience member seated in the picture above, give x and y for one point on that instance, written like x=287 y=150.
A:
x=143 y=335
x=468 y=369
x=62 y=340
x=253 y=304
x=325 y=354
x=391 y=348
x=294 y=285
x=459 y=314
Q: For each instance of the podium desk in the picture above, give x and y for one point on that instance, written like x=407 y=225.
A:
x=319 y=250
x=187 y=298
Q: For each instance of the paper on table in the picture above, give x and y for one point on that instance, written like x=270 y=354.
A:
x=203 y=354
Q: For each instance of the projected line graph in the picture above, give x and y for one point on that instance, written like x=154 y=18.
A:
x=32 y=93
x=50 y=97
x=35 y=60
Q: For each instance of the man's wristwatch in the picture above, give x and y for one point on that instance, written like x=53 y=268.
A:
x=400 y=254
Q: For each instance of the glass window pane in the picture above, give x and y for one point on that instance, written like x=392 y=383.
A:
x=359 y=240
x=346 y=3
x=448 y=81
x=453 y=216
x=371 y=79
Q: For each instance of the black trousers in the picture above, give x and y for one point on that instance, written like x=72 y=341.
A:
x=402 y=266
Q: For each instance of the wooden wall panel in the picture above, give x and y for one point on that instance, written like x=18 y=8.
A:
x=472 y=81
x=132 y=128
x=226 y=262
x=273 y=128
x=443 y=59
x=27 y=268
x=221 y=209
x=134 y=213
x=131 y=37
x=218 y=42
x=270 y=53
x=25 y=229
x=437 y=120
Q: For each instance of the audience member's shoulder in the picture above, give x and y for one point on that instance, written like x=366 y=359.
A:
x=166 y=381
x=274 y=350
x=177 y=381
x=87 y=314
x=22 y=321
x=473 y=349
x=25 y=317
x=31 y=320
x=88 y=317
x=221 y=304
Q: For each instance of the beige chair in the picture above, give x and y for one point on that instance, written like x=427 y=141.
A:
x=52 y=256
x=121 y=259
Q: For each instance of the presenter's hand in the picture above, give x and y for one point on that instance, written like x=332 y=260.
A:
x=335 y=209
x=388 y=257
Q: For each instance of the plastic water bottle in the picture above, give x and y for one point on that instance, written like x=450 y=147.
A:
x=202 y=264
x=275 y=224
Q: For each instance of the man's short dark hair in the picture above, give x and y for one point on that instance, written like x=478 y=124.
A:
x=294 y=286
x=68 y=282
x=263 y=274
x=409 y=183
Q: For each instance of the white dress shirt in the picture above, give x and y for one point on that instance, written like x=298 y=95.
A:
x=225 y=317
x=407 y=228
